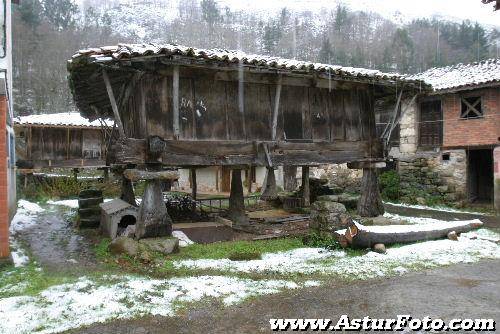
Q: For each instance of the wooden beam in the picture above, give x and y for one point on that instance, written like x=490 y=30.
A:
x=112 y=100
x=242 y=153
x=366 y=164
x=175 y=97
x=137 y=175
x=276 y=107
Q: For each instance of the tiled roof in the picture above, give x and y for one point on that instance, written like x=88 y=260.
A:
x=61 y=119
x=110 y=54
x=461 y=76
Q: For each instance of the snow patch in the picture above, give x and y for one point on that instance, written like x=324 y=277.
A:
x=25 y=215
x=67 y=306
x=398 y=259
x=71 y=203
x=183 y=238
x=433 y=208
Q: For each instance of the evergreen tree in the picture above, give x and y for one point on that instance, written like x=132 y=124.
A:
x=210 y=13
x=326 y=52
x=61 y=13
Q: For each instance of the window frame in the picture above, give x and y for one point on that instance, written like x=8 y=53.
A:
x=463 y=100
x=420 y=123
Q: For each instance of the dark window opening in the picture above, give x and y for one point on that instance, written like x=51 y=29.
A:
x=471 y=107
x=431 y=124
x=126 y=221
x=446 y=157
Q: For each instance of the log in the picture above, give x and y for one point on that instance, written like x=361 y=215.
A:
x=359 y=236
x=306 y=193
x=137 y=174
x=370 y=203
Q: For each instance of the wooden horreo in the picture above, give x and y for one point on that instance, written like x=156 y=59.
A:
x=183 y=107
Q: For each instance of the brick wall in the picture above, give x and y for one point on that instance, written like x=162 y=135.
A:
x=4 y=212
x=472 y=132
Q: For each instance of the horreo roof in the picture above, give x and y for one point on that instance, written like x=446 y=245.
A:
x=461 y=76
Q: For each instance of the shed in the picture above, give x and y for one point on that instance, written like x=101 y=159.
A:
x=116 y=215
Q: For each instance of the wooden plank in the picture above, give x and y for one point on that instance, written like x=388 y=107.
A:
x=318 y=105
x=351 y=109
x=175 y=97
x=187 y=111
x=337 y=118
x=291 y=109
x=112 y=100
x=306 y=193
x=277 y=97
x=258 y=112
x=235 y=115
x=210 y=99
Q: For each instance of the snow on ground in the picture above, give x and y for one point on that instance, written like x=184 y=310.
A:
x=435 y=208
x=25 y=215
x=183 y=238
x=397 y=260
x=420 y=227
x=71 y=203
x=414 y=220
x=67 y=306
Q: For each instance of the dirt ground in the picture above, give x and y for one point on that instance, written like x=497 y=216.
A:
x=460 y=291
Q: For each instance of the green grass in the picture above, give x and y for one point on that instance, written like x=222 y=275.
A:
x=223 y=250
x=28 y=280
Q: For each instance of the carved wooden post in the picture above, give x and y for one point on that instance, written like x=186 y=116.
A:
x=306 y=193
x=270 y=191
x=290 y=178
x=370 y=203
x=236 y=200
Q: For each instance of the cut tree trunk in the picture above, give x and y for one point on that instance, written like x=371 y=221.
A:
x=127 y=194
x=290 y=178
x=236 y=211
x=370 y=203
x=270 y=191
x=360 y=236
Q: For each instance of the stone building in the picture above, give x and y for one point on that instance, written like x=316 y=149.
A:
x=450 y=138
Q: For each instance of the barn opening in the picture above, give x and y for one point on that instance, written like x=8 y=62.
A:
x=480 y=175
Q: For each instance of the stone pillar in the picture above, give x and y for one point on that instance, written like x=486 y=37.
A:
x=289 y=178
x=496 y=178
x=306 y=192
x=270 y=191
x=153 y=219
x=236 y=200
x=408 y=133
x=127 y=190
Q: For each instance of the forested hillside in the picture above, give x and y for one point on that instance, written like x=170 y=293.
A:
x=48 y=32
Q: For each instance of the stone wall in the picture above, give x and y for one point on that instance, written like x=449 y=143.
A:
x=428 y=175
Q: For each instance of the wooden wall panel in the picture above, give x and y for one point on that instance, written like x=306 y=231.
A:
x=352 y=115
x=36 y=143
x=235 y=116
x=320 y=118
x=258 y=111
x=291 y=108
x=158 y=106
x=187 y=111
x=209 y=107
x=75 y=144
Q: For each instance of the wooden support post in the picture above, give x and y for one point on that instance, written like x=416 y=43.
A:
x=114 y=106
x=127 y=190
x=236 y=211
x=276 y=107
x=175 y=97
x=67 y=144
x=194 y=185
x=290 y=178
x=153 y=219
x=306 y=193
x=370 y=202
x=270 y=192
x=249 y=180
